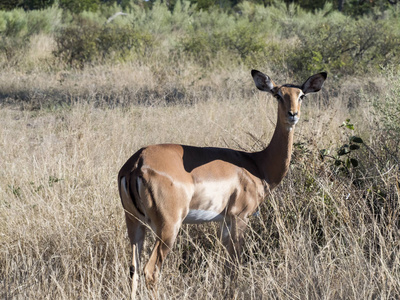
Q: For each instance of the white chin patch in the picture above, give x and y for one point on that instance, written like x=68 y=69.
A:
x=196 y=216
x=292 y=122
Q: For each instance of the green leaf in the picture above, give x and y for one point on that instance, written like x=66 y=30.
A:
x=347 y=124
x=356 y=139
x=338 y=162
x=343 y=150
x=324 y=152
x=354 y=147
x=354 y=162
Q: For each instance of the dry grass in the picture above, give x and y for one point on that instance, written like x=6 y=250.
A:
x=62 y=231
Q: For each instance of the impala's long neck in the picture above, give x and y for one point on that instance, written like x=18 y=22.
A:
x=275 y=159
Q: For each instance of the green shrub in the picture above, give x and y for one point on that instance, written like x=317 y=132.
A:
x=43 y=21
x=344 y=160
x=78 y=6
x=119 y=42
x=13 y=23
x=76 y=44
x=287 y=38
x=17 y=27
x=245 y=39
x=14 y=36
x=86 y=42
x=242 y=41
x=345 y=46
x=387 y=113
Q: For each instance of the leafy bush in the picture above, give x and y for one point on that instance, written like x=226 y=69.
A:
x=76 y=44
x=120 y=41
x=387 y=113
x=242 y=41
x=344 y=160
x=78 y=6
x=18 y=26
x=289 y=38
x=14 y=33
x=87 y=42
x=13 y=23
x=18 y=23
x=346 y=47
x=43 y=21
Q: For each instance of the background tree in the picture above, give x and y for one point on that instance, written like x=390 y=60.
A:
x=310 y=5
x=77 y=6
x=25 y=4
x=349 y=7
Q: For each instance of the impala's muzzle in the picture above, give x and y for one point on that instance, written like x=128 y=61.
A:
x=293 y=117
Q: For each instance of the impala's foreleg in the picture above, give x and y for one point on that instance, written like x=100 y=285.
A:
x=232 y=238
x=136 y=233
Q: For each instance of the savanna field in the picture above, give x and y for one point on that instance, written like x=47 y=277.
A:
x=80 y=92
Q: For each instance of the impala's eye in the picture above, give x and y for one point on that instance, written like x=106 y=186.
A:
x=302 y=97
x=278 y=97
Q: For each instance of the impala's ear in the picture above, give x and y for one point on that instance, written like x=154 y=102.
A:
x=314 y=83
x=262 y=81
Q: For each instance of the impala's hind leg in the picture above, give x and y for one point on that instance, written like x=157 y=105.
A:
x=164 y=241
x=136 y=233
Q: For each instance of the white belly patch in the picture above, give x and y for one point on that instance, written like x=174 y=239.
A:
x=196 y=216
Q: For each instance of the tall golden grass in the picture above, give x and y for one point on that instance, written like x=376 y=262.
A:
x=62 y=229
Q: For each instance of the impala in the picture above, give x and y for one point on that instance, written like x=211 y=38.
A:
x=163 y=186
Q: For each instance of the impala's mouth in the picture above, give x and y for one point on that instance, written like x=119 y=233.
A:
x=293 y=118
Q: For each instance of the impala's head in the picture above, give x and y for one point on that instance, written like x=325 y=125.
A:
x=289 y=96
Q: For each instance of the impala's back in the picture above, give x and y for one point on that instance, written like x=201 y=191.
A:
x=192 y=184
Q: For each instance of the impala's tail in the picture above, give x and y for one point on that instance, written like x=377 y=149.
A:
x=129 y=179
x=129 y=195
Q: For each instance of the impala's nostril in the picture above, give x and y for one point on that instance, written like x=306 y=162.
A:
x=291 y=114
